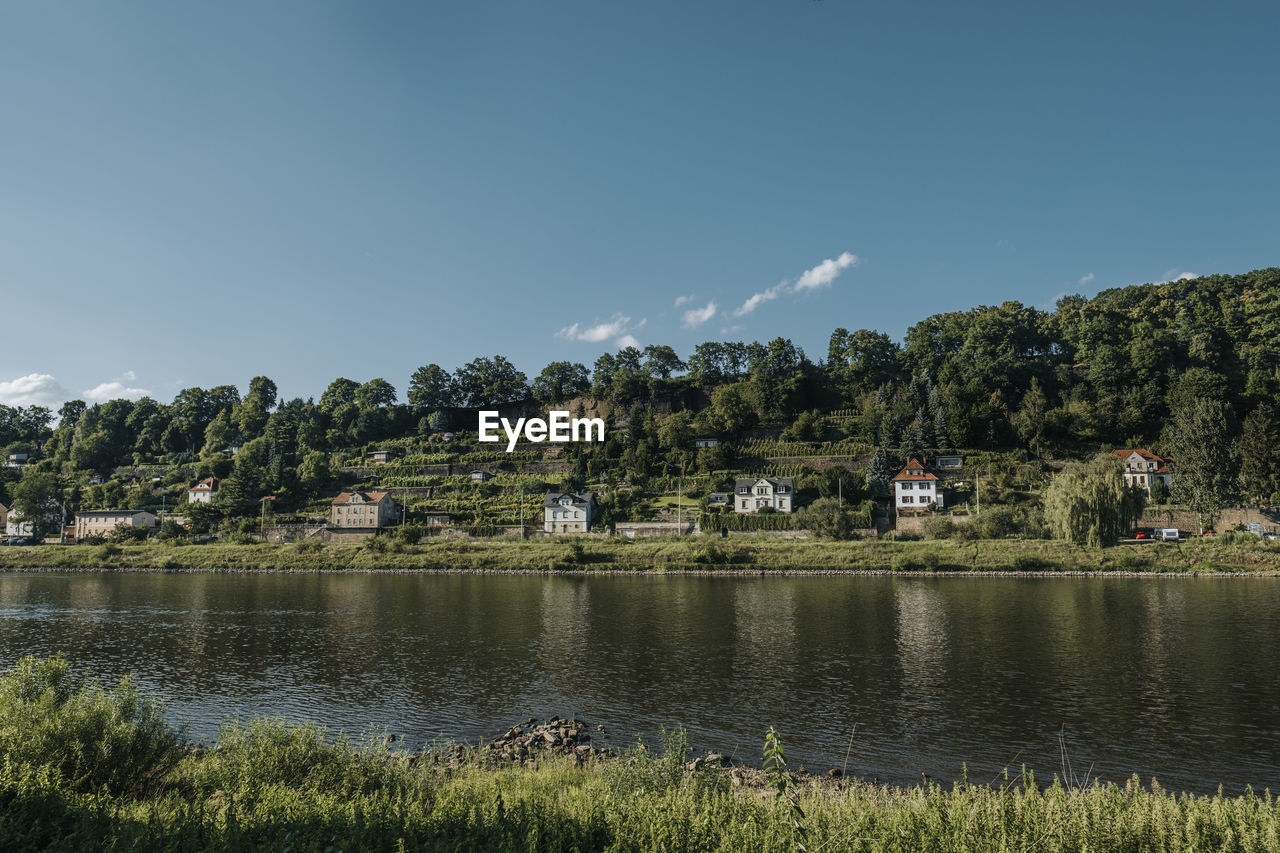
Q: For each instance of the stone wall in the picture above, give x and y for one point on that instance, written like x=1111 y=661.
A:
x=1188 y=522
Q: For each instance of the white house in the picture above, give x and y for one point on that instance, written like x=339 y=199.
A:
x=1143 y=468
x=565 y=512
x=706 y=442
x=479 y=476
x=949 y=462
x=915 y=487
x=203 y=492
x=752 y=494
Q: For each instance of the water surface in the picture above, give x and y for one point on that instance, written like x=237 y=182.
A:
x=1168 y=677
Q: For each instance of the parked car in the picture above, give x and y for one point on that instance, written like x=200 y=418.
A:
x=17 y=540
x=1271 y=536
x=1141 y=536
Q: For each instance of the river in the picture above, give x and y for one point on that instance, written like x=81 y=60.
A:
x=1173 y=678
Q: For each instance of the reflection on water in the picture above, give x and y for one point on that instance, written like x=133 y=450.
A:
x=1172 y=678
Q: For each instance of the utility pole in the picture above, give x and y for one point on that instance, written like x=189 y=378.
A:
x=978 y=492
x=522 y=510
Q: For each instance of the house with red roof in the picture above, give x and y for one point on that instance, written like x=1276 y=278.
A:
x=1143 y=468
x=203 y=492
x=916 y=487
x=363 y=510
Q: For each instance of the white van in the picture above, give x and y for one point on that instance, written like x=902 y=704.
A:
x=1167 y=534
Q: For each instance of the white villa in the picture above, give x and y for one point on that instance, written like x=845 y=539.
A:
x=915 y=488
x=565 y=512
x=752 y=494
x=1143 y=468
x=203 y=492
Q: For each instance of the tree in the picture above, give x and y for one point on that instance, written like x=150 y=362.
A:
x=1029 y=420
x=1159 y=492
x=315 y=472
x=880 y=471
x=250 y=416
x=675 y=431
x=731 y=411
x=1204 y=466
x=430 y=388
x=662 y=361
x=375 y=394
x=340 y=392
x=1259 y=449
x=490 y=382
x=559 y=381
x=36 y=498
x=1088 y=503
x=826 y=517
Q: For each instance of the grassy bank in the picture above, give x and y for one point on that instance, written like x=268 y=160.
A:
x=1232 y=554
x=86 y=768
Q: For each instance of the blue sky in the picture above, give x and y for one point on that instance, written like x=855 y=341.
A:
x=194 y=194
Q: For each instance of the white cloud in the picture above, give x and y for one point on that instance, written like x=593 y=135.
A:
x=1085 y=279
x=116 y=390
x=826 y=272
x=34 y=389
x=599 y=332
x=811 y=279
x=618 y=327
x=681 y=300
x=760 y=298
x=1186 y=276
x=695 y=317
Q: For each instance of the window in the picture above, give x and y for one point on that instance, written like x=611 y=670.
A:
x=906 y=486
x=906 y=499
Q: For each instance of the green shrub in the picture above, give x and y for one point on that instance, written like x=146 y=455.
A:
x=92 y=737
x=939 y=527
x=267 y=752
x=922 y=561
x=1029 y=563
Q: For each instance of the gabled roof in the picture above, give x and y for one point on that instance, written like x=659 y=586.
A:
x=1146 y=455
x=775 y=482
x=914 y=465
x=553 y=498
x=371 y=497
x=208 y=484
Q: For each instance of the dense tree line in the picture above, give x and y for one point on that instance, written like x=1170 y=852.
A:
x=1117 y=369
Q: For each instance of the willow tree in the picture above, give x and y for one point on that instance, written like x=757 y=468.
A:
x=1089 y=503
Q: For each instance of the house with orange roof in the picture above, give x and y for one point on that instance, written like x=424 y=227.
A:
x=363 y=510
x=915 y=487
x=203 y=492
x=1143 y=468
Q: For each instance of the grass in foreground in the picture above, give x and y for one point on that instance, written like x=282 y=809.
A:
x=112 y=780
